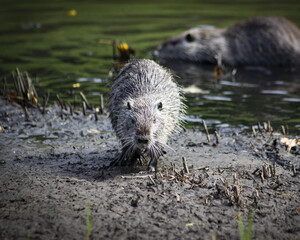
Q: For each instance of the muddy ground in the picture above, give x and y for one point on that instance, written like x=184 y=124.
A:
x=52 y=167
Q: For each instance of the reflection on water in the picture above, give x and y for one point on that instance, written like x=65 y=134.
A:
x=241 y=99
x=63 y=54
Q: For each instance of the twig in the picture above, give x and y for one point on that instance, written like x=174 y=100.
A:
x=85 y=100
x=133 y=177
x=254 y=132
x=60 y=101
x=71 y=109
x=96 y=115
x=26 y=113
x=45 y=102
x=265 y=126
x=294 y=170
x=101 y=103
x=269 y=127
x=205 y=127
x=202 y=168
x=84 y=108
x=253 y=147
x=259 y=129
x=151 y=179
x=283 y=129
x=217 y=137
x=186 y=169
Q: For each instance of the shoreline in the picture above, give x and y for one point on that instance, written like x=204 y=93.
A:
x=53 y=168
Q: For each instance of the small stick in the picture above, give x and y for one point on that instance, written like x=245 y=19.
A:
x=71 y=109
x=274 y=169
x=259 y=128
x=287 y=129
x=202 y=168
x=266 y=171
x=151 y=179
x=60 y=102
x=136 y=177
x=20 y=81
x=254 y=132
x=254 y=148
x=186 y=169
x=16 y=84
x=44 y=104
x=283 y=129
x=261 y=176
x=96 y=115
x=101 y=104
x=85 y=100
x=26 y=113
x=234 y=178
x=205 y=127
x=217 y=137
x=265 y=126
x=269 y=126
x=84 y=108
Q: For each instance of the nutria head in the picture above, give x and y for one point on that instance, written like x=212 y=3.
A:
x=196 y=45
x=142 y=123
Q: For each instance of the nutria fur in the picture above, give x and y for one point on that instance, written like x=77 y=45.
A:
x=256 y=41
x=145 y=107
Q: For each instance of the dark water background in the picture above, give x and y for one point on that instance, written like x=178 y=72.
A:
x=59 y=50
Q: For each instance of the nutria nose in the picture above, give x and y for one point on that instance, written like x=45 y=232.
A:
x=142 y=141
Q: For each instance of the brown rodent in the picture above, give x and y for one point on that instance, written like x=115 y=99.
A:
x=145 y=107
x=256 y=41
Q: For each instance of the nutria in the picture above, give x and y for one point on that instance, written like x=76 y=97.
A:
x=256 y=41
x=145 y=107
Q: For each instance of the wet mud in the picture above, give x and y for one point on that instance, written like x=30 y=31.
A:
x=54 y=166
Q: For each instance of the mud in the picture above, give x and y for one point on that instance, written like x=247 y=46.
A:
x=53 y=166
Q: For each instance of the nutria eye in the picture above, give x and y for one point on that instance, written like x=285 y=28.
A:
x=189 y=38
x=159 y=106
x=133 y=121
x=154 y=120
x=128 y=106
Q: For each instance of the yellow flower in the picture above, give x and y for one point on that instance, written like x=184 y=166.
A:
x=123 y=47
x=76 y=85
x=72 y=13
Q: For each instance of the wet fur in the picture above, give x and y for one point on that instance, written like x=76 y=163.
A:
x=256 y=41
x=145 y=109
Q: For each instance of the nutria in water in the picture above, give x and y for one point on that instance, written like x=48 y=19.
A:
x=145 y=107
x=256 y=41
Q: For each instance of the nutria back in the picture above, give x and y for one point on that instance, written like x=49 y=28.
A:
x=256 y=41
x=145 y=107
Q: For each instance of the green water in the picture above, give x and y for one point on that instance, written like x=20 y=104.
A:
x=58 y=49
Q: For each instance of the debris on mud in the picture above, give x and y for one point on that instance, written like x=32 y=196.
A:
x=53 y=166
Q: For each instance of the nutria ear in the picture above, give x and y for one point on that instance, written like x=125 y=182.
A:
x=159 y=106
x=189 y=37
x=128 y=106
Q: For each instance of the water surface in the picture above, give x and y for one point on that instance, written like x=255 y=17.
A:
x=61 y=51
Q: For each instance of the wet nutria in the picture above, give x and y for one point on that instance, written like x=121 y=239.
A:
x=256 y=41
x=145 y=107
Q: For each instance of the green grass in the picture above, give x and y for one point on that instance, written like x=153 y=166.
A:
x=89 y=222
x=246 y=235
